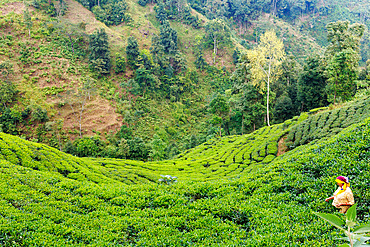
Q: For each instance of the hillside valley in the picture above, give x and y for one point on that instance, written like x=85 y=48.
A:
x=64 y=102
x=182 y=123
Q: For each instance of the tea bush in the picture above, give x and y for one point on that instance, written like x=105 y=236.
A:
x=48 y=198
x=328 y=123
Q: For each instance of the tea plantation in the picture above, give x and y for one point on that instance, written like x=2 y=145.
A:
x=233 y=191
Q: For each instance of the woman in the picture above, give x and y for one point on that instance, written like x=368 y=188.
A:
x=343 y=197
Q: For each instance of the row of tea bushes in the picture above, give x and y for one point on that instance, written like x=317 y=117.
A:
x=269 y=206
x=226 y=157
x=328 y=123
x=44 y=158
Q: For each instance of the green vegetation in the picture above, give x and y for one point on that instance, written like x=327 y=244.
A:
x=48 y=197
x=328 y=123
x=171 y=60
x=355 y=238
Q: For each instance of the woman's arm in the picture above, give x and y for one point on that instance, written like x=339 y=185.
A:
x=344 y=204
x=329 y=198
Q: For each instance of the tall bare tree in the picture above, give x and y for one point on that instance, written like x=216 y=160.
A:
x=266 y=59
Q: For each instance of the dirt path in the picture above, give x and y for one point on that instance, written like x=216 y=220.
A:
x=282 y=149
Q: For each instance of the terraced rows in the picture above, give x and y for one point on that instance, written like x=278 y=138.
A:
x=222 y=158
x=271 y=206
x=328 y=123
x=227 y=157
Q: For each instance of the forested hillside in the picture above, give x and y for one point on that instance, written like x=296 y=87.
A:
x=148 y=80
x=181 y=123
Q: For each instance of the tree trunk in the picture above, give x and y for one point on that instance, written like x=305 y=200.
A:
x=214 y=50
x=242 y=123
x=335 y=92
x=81 y=112
x=268 y=96
x=70 y=39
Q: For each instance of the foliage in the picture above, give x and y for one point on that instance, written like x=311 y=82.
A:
x=284 y=108
x=158 y=148
x=73 y=32
x=168 y=38
x=7 y=92
x=88 y=147
x=217 y=34
x=355 y=238
x=51 y=195
x=99 y=59
x=112 y=12
x=176 y=10
x=120 y=64
x=343 y=54
x=39 y=114
x=132 y=51
x=312 y=84
x=327 y=123
x=265 y=60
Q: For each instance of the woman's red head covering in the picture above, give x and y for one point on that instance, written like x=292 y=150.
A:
x=343 y=179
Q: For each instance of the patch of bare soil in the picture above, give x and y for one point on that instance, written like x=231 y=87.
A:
x=222 y=59
x=282 y=148
x=98 y=115
x=17 y=8
x=77 y=13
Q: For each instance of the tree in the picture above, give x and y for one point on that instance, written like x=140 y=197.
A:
x=200 y=62
x=161 y=13
x=236 y=56
x=74 y=32
x=343 y=55
x=220 y=107
x=56 y=127
x=6 y=69
x=120 y=64
x=158 y=148
x=79 y=98
x=168 y=38
x=27 y=21
x=216 y=8
x=138 y=149
x=312 y=84
x=249 y=100
x=7 y=92
x=99 y=52
x=112 y=12
x=266 y=59
x=145 y=79
x=283 y=109
x=218 y=33
x=132 y=52
x=60 y=8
